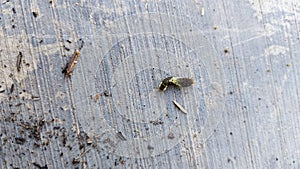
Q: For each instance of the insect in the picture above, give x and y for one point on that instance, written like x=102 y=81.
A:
x=177 y=81
x=71 y=65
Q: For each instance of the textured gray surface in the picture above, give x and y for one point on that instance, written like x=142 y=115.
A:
x=242 y=112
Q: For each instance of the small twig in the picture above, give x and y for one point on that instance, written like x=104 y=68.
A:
x=71 y=65
x=19 y=60
x=35 y=98
x=12 y=88
x=179 y=107
x=68 y=70
x=121 y=136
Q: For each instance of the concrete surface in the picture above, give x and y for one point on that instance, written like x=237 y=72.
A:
x=242 y=112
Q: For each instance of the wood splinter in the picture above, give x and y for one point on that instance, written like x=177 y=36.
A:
x=68 y=70
x=19 y=60
x=179 y=107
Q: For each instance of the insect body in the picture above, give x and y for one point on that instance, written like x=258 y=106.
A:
x=164 y=84
x=177 y=81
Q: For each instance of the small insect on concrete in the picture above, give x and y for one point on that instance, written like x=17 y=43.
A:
x=164 y=84
x=68 y=70
x=177 y=81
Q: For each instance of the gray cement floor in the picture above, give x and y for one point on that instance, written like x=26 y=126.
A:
x=242 y=111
